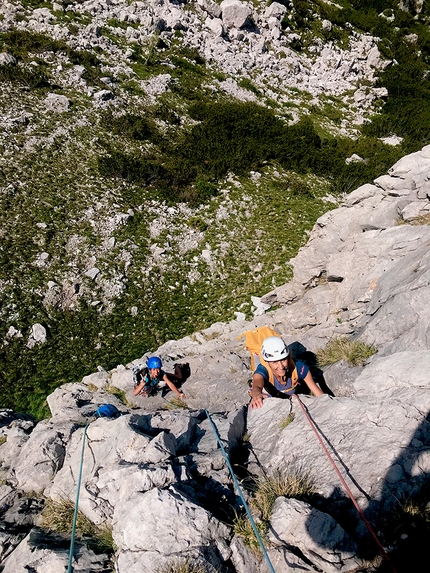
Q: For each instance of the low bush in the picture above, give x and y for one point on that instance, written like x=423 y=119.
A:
x=341 y=348
x=129 y=125
x=28 y=77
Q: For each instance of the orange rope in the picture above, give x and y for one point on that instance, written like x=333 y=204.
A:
x=345 y=485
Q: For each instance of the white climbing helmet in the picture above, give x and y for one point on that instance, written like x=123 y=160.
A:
x=274 y=348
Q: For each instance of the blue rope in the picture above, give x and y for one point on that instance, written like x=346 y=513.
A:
x=75 y=516
x=236 y=483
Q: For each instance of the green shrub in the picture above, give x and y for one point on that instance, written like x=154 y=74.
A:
x=341 y=348
x=29 y=77
x=129 y=125
x=247 y=84
x=197 y=223
x=130 y=168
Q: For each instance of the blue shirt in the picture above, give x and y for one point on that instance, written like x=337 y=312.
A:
x=302 y=371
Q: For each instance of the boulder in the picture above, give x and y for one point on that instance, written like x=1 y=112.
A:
x=321 y=540
x=235 y=14
x=173 y=526
x=57 y=103
x=275 y=10
x=45 y=449
x=41 y=552
x=211 y=7
x=37 y=335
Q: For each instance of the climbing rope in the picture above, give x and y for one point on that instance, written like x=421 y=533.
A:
x=238 y=488
x=75 y=515
x=345 y=485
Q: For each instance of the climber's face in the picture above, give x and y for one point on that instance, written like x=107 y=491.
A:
x=154 y=372
x=279 y=368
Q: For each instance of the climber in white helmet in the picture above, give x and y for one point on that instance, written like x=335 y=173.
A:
x=282 y=377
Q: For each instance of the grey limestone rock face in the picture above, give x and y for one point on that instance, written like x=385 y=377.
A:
x=172 y=526
x=386 y=426
x=42 y=552
x=315 y=533
x=44 y=449
x=361 y=275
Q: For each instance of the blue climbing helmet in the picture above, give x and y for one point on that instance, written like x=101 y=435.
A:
x=154 y=362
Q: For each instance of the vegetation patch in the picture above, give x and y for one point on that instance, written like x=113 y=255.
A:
x=24 y=45
x=194 y=146
x=287 y=421
x=341 y=348
x=243 y=528
x=58 y=516
x=296 y=485
x=181 y=566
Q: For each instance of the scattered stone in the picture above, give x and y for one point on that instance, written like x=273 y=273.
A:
x=92 y=273
x=57 y=103
x=354 y=159
x=7 y=59
x=103 y=96
x=37 y=335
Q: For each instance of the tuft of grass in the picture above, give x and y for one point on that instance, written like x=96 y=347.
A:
x=3 y=439
x=120 y=394
x=267 y=490
x=181 y=566
x=286 y=421
x=176 y=403
x=421 y=220
x=341 y=348
x=280 y=484
x=58 y=516
x=243 y=528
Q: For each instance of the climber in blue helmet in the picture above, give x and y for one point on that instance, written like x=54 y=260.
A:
x=146 y=379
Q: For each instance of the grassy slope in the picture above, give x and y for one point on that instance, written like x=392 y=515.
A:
x=251 y=226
